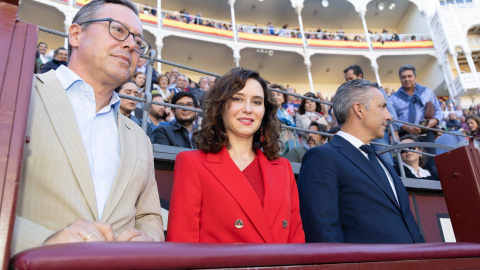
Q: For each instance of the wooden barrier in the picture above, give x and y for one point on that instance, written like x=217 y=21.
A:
x=17 y=54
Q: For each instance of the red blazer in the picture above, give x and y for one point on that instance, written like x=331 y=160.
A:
x=212 y=202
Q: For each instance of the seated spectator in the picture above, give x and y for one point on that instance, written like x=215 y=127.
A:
x=41 y=56
x=173 y=76
x=163 y=82
x=291 y=105
x=288 y=137
x=139 y=79
x=453 y=123
x=202 y=89
x=309 y=111
x=313 y=139
x=142 y=67
x=180 y=132
x=158 y=115
x=450 y=140
x=463 y=122
x=473 y=123
x=180 y=85
x=127 y=106
x=413 y=162
x=59 y=58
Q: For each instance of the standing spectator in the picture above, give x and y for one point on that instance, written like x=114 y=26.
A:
x=313 y=139
x=308 y=112
x=59 y=58
x=198 y=19
x=180 y=132
x=410 y=103
x=340 y=32
x=288 y=137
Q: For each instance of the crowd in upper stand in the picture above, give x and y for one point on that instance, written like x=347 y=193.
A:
x=285 y=31
x=175 y=127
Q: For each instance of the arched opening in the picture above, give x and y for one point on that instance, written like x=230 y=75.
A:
x=212 y=57
x=396 y=20
x=51 y=18
x=473 y=40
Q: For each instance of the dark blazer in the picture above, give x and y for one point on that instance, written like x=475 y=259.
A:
x=54 y=64
x=343 y=200
x=212 y=202
x=174 y=135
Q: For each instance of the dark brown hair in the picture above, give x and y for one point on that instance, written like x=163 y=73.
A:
x=212 y=137
x=301 y=108
x=476 y=119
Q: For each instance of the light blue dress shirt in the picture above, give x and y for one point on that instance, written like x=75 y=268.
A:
x=99 y=132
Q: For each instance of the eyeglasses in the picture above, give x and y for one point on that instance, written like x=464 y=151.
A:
x=411 y=148
x=120 y=32
x=188 y=105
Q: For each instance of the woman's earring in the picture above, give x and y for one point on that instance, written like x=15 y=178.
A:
x=262 y=138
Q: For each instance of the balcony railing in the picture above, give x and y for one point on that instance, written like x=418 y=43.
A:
x=270 y=34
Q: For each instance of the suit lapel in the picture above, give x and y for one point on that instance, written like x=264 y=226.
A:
x=64 y=122
x=274 y=179
x=232 y=179
x=358 y=159
x=125 y=168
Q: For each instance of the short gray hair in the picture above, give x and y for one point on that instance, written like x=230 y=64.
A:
x=91 y=10
x=350 y=93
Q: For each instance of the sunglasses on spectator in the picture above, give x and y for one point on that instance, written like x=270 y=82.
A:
x=411 y=148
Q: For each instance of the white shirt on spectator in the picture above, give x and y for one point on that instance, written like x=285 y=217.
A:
x=99 y=132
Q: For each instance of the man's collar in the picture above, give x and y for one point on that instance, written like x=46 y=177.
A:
x=350 y=138
x=67 y=77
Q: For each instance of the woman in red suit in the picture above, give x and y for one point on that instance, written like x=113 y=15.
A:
x=230 y=191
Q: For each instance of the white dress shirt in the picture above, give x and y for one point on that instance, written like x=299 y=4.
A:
x=358 y=143
x=421 y=171
x=99 y=132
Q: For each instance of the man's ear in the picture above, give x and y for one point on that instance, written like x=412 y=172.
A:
x=358 y=110
x=73 y=35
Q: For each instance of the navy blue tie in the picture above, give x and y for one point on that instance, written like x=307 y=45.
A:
x=376 y=165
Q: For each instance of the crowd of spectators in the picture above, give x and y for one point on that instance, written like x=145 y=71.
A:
x=285 y=31
x=175 y=127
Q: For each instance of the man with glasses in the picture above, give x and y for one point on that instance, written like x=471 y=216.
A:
x=88 y=171
x=180 y=132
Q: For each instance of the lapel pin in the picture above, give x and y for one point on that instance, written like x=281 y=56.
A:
x=127 y=126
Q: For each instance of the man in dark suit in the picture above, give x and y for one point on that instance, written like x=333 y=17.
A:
x=347 y=192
